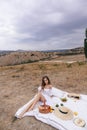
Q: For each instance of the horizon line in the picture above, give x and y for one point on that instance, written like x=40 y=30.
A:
x=39 y=49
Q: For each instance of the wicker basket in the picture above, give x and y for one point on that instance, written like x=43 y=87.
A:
x=44 y=109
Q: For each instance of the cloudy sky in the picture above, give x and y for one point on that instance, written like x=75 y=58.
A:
x=42 y=24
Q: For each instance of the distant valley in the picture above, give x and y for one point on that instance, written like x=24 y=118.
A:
x=22 y=56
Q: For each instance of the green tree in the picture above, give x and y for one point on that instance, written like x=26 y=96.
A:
x=85 y=44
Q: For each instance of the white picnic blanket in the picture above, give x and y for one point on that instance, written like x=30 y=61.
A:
x=79 y=106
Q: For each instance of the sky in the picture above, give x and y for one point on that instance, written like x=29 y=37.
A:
x=42 y=24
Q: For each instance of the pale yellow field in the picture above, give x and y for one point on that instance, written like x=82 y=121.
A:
x=18 y=84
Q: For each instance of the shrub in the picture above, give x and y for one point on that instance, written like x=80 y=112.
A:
x=42 y=67
x=80 y=63
x=69 y=65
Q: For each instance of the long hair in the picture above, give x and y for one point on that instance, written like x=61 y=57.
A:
x=43 y=82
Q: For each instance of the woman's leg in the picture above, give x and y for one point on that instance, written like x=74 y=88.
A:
x=25 y=110
x=39 y=97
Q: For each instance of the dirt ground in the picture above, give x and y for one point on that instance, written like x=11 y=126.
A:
x=18 y=84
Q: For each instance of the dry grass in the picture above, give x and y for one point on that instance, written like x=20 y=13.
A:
x=18 y=84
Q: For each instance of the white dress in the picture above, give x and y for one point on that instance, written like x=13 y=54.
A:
x=48 y=93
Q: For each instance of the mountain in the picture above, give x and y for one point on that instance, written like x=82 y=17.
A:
x=77 y=50
x=4 y=52
x=62 y=50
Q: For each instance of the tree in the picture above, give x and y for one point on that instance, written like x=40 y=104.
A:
x=85 y=44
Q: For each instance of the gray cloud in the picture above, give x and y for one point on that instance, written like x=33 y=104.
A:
x=45 y=24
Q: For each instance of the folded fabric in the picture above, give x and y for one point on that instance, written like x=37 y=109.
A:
x=78 y=106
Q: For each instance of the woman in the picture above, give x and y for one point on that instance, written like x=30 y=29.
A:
x=44 y=92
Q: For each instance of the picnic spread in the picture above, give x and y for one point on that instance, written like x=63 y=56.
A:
x=64 y=111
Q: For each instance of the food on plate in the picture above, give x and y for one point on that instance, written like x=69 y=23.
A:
x=63 y=99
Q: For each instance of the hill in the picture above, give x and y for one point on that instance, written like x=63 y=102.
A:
x=21 y=56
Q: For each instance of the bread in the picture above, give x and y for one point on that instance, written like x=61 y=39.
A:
x=74 y=95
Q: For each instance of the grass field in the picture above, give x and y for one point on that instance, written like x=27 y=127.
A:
x=19 y=83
